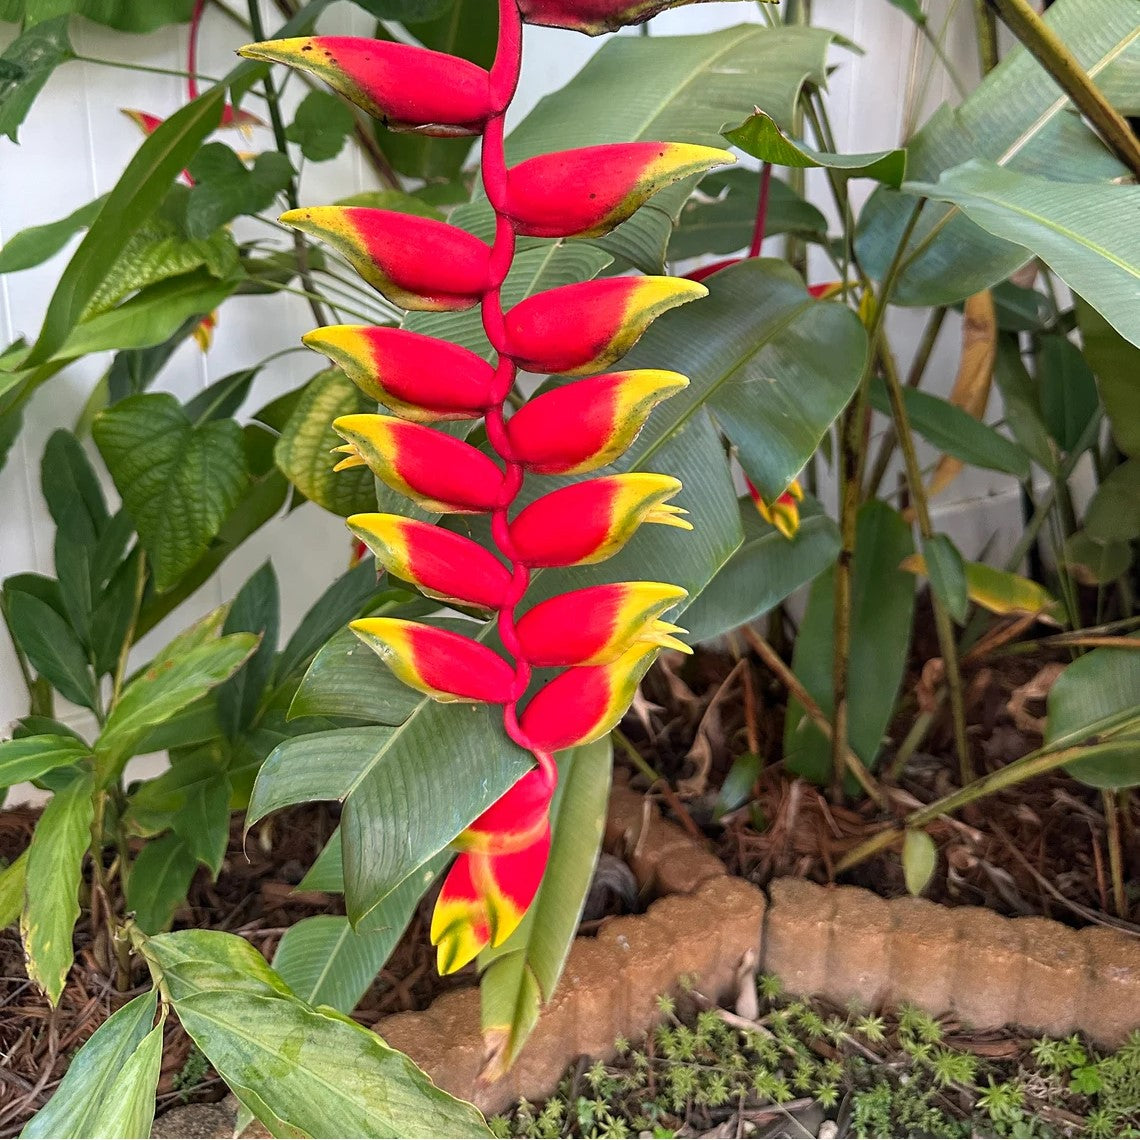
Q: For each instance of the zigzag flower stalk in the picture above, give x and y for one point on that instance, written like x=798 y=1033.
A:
x=604 y=637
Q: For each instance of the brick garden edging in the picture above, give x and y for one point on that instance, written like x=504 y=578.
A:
x=842 y=943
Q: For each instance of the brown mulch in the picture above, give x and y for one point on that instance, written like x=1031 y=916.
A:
x=1039 y=848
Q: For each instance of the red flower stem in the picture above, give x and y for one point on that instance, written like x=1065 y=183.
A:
x=192 y=51
x=504 y=81
x=758 y=233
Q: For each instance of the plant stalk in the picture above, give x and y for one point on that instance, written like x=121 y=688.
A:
x=942 y=621
x=1035 y=764
x=792 y=683
x=1115 y=850
x=1043 y=43
x=985 y=25
x=852 y=456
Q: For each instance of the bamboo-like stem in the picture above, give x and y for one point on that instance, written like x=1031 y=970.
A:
x=300 y=246
x=1043 y=43
x=792 y=683
x=1035 y=764
x=942 y=621
x=913 y=380
x=1115 y=851
x=851 y=459
x=985 y=25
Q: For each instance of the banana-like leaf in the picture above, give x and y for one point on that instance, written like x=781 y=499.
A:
x=1075 y=228
x=303 y=1071
x=522 y=974
x=765 y=570
x=325 y=962
x=1018 y=118
x=673 y=89
x=1098 y=695
x=882 y=609
x=999 y=591
x=104 y=1077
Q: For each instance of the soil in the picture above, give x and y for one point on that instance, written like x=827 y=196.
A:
x=1039 y=849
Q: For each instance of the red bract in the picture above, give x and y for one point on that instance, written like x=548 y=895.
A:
x=435 y=470
x=603 y=637
x=417 y=377
x=585 y=193
x=582 y=328
x=406 y=88
x=417 y=263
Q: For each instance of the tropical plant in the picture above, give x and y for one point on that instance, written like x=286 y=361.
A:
x=529 y=510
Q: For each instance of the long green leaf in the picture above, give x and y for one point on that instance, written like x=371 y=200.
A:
x=12 y=880
x=303 y=1071
x=36 y=244
x=1018 y=118
x=765 y=570
x=30 y=757
x=160 y=878
x=52 y=646
x=54 y=872
x=128 y=1111
x=91 y=1076
x=1098 y=695
x=325 y=962
x=136 y=195
x=522 y=974
x=956 y=432
x=1074 y=227
x=882 y=607
x=677 y=88
x=1116 y=363
x=760 y=136
x=172 y=681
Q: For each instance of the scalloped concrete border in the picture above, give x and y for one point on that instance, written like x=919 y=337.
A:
x=842 y=943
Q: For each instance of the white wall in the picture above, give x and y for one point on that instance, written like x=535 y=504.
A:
x=75 y=143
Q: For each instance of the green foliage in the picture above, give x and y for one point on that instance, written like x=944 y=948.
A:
x=179 y=481
x=321 y=126
x=225 y=188
x=26 y=65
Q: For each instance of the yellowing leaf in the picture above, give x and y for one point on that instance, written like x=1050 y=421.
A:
x=971 y=390
x=998 y=591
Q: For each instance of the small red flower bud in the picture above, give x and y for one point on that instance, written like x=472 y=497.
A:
x=418 y=377
x=591 y=521
x=607 y=413
x=597 y=625
x=441 y=564
x=585 y=193
x=437 y=471
x=447 y=666
x=417 y=263
x=581 y=705
x=584 y=328
x=406 y=88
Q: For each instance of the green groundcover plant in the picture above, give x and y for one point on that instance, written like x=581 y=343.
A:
x=465 y=701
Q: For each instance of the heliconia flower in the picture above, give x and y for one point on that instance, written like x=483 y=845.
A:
x=440 y=563
x=483 y=899
x=237 y=118
x=581 y=705
x=144 y=120
x=583 y=328
x=607 y=413
x=406 y=88
x=447 y=666
x=417 y=263
x=514 y=821
x=594 y=16
x=784 y=513
x=825 y=289
x=435 y=470
x=418 y=377
x=586 y=192
x=204 y=331
x=591 y=521
x=597 y=625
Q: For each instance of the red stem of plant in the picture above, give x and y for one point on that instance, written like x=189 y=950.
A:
x=758 y=233
x=192 y=50
x=504 y=81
